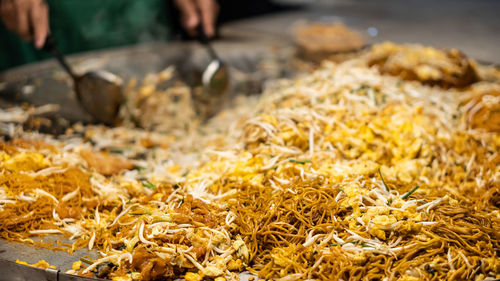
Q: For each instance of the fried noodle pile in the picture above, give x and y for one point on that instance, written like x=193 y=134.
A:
x=340 y=174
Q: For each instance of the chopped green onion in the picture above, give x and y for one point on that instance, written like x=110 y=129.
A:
x=383 y=181
x=303 y=162
x=430 y=269
x=139 y=168
x=406 y=195
x=468 y=175
x=362 y=87
x=85 y=260
x=149 y=185
x=118 y=150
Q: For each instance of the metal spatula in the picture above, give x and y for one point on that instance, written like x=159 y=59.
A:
x=215 y=78
x=99 y=92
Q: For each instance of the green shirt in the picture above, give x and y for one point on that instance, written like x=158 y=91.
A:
x=83 y=25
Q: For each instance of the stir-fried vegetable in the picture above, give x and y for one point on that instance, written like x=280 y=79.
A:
x=206 y=201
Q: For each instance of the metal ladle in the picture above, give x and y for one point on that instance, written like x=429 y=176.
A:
x=99 y=92
x=215 y=78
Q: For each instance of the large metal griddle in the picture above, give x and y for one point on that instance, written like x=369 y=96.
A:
x=245 y=44
x=45 y=83
x=13 y=271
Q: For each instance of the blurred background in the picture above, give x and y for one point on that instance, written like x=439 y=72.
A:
x=473 y=26
x=257 y=39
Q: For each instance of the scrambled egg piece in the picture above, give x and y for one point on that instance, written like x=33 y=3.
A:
x=215 y=270
x=354 y=198
x=235 y=265
x=26 y=162
x=241 y=249
x=373 y=212
x=76 y=265
x=191 y=276
x=133 y=276
x=377 y=232
x=384 y=220
x=359 y=257
x=40 y=264
x=408 y=278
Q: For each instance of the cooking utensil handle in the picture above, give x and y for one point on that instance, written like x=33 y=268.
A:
x=203 y=39
x=50 y=47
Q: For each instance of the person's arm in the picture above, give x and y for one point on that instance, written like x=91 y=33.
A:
x=194 y=12
x=27 y=18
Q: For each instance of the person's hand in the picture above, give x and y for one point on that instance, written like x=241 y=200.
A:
x=27 y=18
x=194 y=12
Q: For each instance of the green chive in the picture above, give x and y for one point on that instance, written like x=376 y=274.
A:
x=299 y=162
x=468 y=174
x=383 y=181
x=139 y=168
x=137 y=214
x=149 y=185
x=404 y=197
x=116 y=150
x=362 y=87
x=85 y=260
